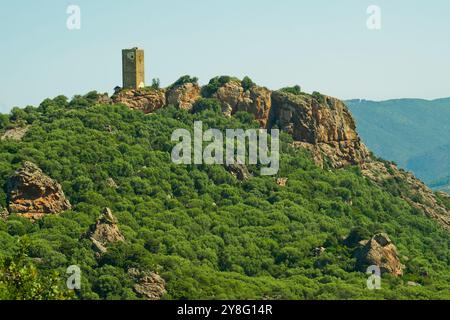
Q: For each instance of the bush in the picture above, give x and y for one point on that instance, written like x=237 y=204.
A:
x=296 y=90
x=183 y=80
x=247 y=83
x=211 y=104
x=214 y=84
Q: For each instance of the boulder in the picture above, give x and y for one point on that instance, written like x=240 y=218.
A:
x=148 y=285
x=15 y=134
x=239 y=171
x=33 y=194
x=147 y=100
x=381 y=252
x=183 y=96
x=282 y=182
x=105 y=231
x=111 y=183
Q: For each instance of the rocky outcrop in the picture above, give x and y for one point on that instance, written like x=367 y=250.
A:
x=282 y=182
x=103 y=98
x=147 y=100
x=148 y=285
x=321 y=124
x=183 y=96
x=15 y=134
x=239 y=171
x=380 y=251
x=256 y=100
x=416 y=193
x=33 y=194
x=105 y=232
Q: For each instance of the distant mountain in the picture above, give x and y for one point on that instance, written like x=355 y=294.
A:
x=414 y=133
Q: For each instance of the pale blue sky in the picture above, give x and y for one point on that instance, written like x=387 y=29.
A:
x=323 y=45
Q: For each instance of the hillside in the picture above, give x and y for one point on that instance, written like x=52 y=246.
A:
x=412 y=132
x=90 y=182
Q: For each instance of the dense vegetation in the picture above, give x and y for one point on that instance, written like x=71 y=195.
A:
x=414 y=133
x=206 y=233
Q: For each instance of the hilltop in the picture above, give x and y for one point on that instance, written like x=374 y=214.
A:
x=141 y=227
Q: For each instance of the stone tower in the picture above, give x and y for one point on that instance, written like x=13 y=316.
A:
x=133 y=71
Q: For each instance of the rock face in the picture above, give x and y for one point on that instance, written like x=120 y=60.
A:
x=324 y=127
x=105 y=232
x=282 y=182
x=15 y=134
x=256 y=100
x=33 y=194
x=147 y=100
x=381 y=252
x=183 y=96
x=148 y=285
x=239 y=171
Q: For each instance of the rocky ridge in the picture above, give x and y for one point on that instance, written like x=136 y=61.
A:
x=321 y=124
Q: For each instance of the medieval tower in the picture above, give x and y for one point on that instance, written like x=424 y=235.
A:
x=133 y=71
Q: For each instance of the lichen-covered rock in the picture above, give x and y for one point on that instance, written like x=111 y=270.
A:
x=33 y=194
x=148 y=285
x=324 y=126
x=380 y=251
x=147 y=100
x=105 y=232
x=183 y=96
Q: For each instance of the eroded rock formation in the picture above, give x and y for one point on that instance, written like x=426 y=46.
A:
x=147 y=100
x=256 y=100
x=183 y=96
x=380 y=251
x=148 y=285
x=324 y=127
x=105 y=232
x=33 y=194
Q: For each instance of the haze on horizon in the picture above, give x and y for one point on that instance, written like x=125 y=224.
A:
x=321 y=45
